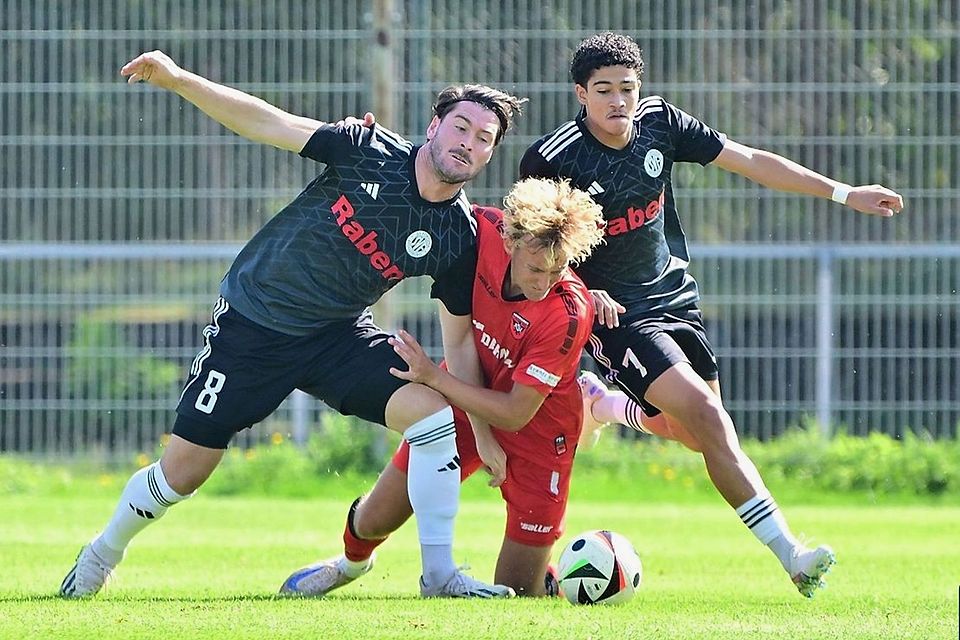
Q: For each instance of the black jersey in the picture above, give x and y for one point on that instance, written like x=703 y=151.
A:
x=643 y=261
x=354 y=232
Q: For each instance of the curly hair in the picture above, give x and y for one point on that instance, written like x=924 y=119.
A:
x=503 y=105
x=555 y=216
x=605 y=50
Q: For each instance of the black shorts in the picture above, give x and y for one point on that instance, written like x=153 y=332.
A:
x=637 y=352
x=245 y=371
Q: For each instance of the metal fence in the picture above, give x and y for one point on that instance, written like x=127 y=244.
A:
x=120 y=207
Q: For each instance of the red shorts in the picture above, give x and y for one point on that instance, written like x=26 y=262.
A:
x=536 y=495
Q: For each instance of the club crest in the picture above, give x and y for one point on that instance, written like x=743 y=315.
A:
x=519 y=325
x=560 y=445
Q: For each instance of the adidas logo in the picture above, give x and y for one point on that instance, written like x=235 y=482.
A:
x=143 y=513
x=595 y=189
x=453 y=465
x=371 y=188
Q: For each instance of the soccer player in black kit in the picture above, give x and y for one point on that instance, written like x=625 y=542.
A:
x=292 y=312
x=621 y=150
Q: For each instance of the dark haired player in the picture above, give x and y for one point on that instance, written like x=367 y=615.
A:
x=293 y=307
x=621 y=150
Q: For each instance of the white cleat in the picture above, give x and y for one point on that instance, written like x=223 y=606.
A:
x=321 y=578
x=807 y=569
x=89 y=574
x=460 y=585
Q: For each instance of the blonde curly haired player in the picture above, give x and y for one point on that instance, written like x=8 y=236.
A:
x=552 y=215
x=532 y=317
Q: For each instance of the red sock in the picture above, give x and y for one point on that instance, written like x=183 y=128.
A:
x=354 y=548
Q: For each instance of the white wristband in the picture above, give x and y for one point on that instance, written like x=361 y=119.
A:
x=840 y=193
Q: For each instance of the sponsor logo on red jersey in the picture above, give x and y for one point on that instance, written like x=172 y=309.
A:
x=518 y=325
x=498 y=350
x=486 y=286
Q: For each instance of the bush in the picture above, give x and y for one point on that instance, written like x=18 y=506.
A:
x=105 y=364
x=800 y=461
x=344 y=459
x=346 y=454
x=875 y=464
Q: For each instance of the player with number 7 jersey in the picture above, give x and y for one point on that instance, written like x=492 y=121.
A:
x=623 y=150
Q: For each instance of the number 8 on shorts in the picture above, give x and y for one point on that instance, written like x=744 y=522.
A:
x=207 y=399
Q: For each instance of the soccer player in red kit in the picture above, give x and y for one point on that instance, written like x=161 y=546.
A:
x=532 y=316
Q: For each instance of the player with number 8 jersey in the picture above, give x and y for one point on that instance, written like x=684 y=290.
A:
x=292 y=312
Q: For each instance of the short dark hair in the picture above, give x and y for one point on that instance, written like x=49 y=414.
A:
x=605 y=50
x=503 y=105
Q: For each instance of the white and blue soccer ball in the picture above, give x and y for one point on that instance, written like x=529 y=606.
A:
x=599 y=567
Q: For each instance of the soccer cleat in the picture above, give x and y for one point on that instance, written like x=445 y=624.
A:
x=460 y=585
x=591 y=390
x=321 y=578
x=89 y=574
x=807 y=569
x=551 y=582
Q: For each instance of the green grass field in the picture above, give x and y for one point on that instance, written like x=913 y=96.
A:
x=210 y=570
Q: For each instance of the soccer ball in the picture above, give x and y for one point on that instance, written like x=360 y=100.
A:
x=599 y=567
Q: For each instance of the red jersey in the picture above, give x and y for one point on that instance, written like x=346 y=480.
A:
x=537 y=344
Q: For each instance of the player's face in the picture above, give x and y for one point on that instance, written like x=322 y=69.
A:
x=533 y=270
x=462 y=143
x=610 y=98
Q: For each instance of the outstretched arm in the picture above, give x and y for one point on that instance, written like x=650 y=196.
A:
x=777 y=172
x=242 y=113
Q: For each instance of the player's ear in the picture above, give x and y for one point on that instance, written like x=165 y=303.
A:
x=507 y=243
x=581 y=92
x=432 y=127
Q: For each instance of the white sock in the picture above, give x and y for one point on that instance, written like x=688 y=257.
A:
x=351 y=568
x=438 y=564
x=613 y=405
x=433 y=485
x=144 y=500
x=762 y=516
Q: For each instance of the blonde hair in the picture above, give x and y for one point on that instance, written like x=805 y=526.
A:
x=553 y=215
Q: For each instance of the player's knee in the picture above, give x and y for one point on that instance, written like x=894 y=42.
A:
x=412 y=403
x=428 y=403
x=185 y=479
x=532 y=588
x=711 y=428
x=689 y=441
x=525 y=585
x=365 y=529
x=186 y=466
